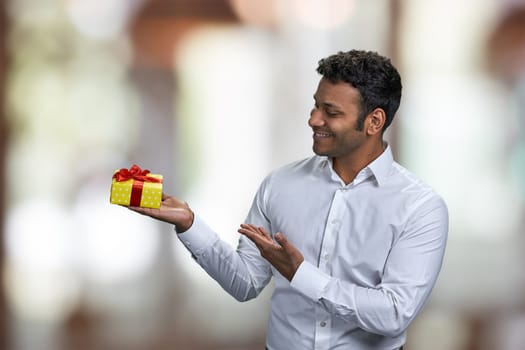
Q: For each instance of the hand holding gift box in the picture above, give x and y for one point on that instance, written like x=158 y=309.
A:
x=136 y=188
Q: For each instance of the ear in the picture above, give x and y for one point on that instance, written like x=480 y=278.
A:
x=375 y=121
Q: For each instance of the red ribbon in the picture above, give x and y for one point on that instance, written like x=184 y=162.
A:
x=136 y=173
x=140 y=176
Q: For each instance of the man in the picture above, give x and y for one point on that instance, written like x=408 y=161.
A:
x=353 y=240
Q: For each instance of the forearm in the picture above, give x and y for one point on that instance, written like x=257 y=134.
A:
x=375 y=310
x=241 y=273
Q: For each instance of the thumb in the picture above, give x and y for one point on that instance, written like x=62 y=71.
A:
x=281 y=239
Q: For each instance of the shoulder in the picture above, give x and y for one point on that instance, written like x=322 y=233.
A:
x=413 y=189
x=423 y=208
x=294 y=173
x=298 y=167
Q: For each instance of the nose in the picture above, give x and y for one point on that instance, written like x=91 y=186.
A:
x=316 y=118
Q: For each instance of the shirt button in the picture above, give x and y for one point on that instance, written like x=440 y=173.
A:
x=323 y=324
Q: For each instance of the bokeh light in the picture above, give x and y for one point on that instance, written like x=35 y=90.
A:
x=217 y=94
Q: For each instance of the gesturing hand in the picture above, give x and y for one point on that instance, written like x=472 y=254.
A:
x=172 y=211
x=284 y=256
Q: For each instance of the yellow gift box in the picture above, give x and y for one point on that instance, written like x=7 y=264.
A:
x=136 y=187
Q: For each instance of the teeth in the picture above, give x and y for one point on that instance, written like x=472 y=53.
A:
x=322 y=134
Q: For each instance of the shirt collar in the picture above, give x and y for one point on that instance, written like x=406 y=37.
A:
x=379 y=168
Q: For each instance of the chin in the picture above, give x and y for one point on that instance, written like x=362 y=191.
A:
x=320 y=152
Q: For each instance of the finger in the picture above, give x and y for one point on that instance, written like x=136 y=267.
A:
x=253 y=228
x=250 y=228
x=139 y=210
x=146 y=211
x=248 y=232
x=255 y=235
x=263 y=232
x=257 y=230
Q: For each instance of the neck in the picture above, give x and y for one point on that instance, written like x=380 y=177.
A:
x=349 y=166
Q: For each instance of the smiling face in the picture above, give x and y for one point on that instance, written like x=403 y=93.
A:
x=337 y=131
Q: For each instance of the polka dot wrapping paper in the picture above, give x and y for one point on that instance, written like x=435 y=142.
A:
x=136 y=187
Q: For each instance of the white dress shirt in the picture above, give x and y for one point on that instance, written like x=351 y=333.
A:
x=372 y=252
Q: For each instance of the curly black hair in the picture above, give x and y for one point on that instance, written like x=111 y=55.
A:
x=373 y=75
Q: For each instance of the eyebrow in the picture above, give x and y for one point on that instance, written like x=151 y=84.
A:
x=327 y=104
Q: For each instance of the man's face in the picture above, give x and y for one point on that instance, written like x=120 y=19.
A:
x=334 y=120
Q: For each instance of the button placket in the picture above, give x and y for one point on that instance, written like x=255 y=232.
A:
x=331 y=231
x=322 y=328
x=333 y=225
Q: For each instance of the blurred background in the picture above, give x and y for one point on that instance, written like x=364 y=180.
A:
x=214 y=94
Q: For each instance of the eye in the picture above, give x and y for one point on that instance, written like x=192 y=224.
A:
x=332 y=113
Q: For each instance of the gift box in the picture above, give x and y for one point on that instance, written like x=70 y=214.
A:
x=135 y=187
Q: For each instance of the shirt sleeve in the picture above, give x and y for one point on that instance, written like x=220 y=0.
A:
x=410 y=273
x=242 y=272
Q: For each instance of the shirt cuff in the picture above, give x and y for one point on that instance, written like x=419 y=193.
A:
x=310 y=281
x=198 y=237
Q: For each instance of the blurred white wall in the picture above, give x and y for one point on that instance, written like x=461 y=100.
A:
x=238 y=108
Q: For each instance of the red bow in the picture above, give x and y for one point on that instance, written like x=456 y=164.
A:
x=136 y=173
